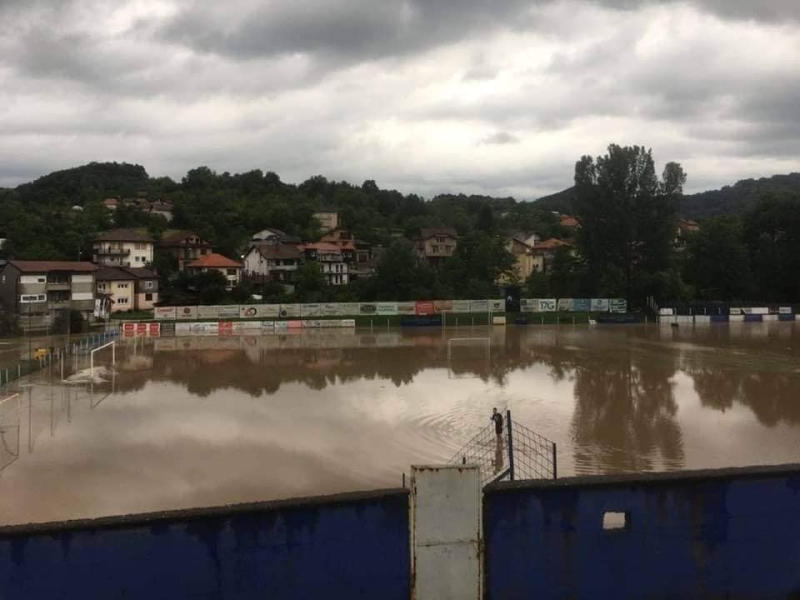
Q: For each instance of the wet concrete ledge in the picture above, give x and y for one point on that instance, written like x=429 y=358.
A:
x=655 y=479
x=198 y=514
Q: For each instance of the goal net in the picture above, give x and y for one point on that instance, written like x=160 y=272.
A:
x=9 y=430
x=468 y=357
x=103 y=362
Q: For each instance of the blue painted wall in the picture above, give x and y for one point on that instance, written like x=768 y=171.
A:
x=351 y=546
x=723 y=534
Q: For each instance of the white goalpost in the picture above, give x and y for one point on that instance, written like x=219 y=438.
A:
x=113 y=346
x=473 y=343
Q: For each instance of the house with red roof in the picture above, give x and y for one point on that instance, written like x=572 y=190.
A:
x=545 y=251
x=231 y=269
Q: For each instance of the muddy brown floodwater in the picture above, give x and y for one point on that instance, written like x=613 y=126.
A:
x=205 y=421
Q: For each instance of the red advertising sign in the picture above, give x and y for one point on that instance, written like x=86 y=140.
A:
x=154 y=329
x=226 y=327
x=128 y=327
x=425 y=307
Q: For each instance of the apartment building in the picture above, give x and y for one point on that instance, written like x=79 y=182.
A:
x=183 y=246
x=36 y=291
x=123 y=248
x=331 y=261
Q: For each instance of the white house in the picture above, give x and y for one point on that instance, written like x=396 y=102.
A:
x=123 y=248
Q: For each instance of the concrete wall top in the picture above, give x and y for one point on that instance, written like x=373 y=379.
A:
x=191 y=514
x=669 y=478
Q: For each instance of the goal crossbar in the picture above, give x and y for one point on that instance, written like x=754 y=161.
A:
x=113 y=346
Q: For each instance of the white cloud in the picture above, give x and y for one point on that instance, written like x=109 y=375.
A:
x=498 y=100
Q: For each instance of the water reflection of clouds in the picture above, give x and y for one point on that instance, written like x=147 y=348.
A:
x=211 y=426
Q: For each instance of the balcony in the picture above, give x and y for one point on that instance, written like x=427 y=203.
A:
x=111 y=251
x=58 y=284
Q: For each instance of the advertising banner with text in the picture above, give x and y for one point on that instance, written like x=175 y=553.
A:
x=618 y=305
x=207 y=312
x=478 y=306
x=289 y=310
x=582 y=304
x=425 y=307
x=186 y=312
x=387 y=308
x=599 y=304
x=461 y=306
x=566 y=305
x=310 y=310
x=406 y=308
x=547 y=305
x=162 y=313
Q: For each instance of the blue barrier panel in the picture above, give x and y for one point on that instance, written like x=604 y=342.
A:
x=720 y=319
x=733 y=533
x=786 y=317
x=348 y=546
x=421 y=321
x=753 y=318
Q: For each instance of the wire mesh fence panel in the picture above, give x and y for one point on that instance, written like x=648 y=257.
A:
x=517 y=453
x=487 y=450
x=534 y=456
x=9 y=430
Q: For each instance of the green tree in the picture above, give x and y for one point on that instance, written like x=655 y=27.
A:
x=210 y=287
x=311 y=283
x=717 y=263
x=628 y=219
x=400 y=275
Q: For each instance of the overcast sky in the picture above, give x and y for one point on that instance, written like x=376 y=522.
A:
x=498 y=97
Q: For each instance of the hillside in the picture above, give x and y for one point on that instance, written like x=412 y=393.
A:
x=730 y=200
x=738 y=198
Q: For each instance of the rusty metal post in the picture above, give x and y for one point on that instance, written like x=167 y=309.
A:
x=555 y=462
x=510 y=446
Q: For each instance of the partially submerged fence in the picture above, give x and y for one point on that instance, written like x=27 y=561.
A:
x=67 y=354
x=518 y=453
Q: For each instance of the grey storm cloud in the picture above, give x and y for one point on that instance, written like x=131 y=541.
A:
x=352 y=30
x=501 y=138
x=498 y=97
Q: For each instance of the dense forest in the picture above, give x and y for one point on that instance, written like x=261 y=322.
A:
x=627 y=244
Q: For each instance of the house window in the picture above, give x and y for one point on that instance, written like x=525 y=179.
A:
x=148 y=297
x=231 y=271
x=441 y=239
x=122 y=301
x=122 y=286
x=436 y=249
x=148 y=285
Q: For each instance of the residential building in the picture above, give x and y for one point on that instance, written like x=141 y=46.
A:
x=277 y=262
x=127 y=288
x=111 y=204
x=346 y=242
x=436 y=244
x=3 y=240
x=523 y=259
x=526 y=237
x=162 y=208
x=569 y=222
x=231 y=269
x=328 y=220
x=118 y=287
x=275 y=236
x=543 y=252
x=331 y=260
x=183 y=246
x=123 y=248
x=145 y=289
x=36 y=291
